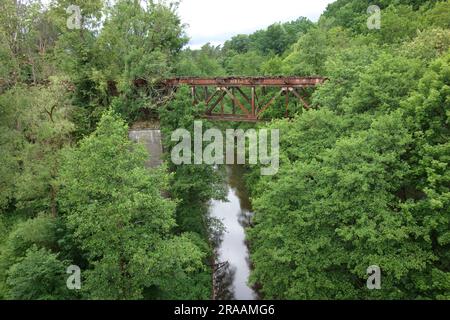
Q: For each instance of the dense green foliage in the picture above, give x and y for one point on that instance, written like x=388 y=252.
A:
x=74 y=189
x=363 y=180
x=193 y=185
x=120 y=219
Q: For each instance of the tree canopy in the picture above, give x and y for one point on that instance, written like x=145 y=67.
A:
x=363 y=178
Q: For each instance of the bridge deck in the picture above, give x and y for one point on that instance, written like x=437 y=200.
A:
x=247 y=81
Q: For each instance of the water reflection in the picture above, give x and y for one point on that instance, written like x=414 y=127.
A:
x=232 y=262
x=223 y=280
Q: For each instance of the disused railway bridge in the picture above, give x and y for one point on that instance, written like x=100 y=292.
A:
x=250 y=106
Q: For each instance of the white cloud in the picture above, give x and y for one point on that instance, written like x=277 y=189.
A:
x=218 y=20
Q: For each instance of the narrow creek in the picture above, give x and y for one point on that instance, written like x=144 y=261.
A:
x=232 y=256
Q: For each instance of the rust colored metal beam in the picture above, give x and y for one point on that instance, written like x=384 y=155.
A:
x=305 y=104
x=271 y=101
x=251 y=105
x=230 y=117
x=287 y=103
x=263 y=103
x=243 y=95
x=211 y=108
x=247 y=81
x=194 y=95
x=253 y=101
x=233 y=104
x=236 y=100
x=211 y=97
x=257 y=102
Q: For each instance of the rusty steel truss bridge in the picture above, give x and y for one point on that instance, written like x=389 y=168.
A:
x=213 y=91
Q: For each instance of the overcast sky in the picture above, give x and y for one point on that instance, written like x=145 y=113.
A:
x=215 y=21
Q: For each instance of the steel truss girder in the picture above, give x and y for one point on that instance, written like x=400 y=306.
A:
x=251 y=108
